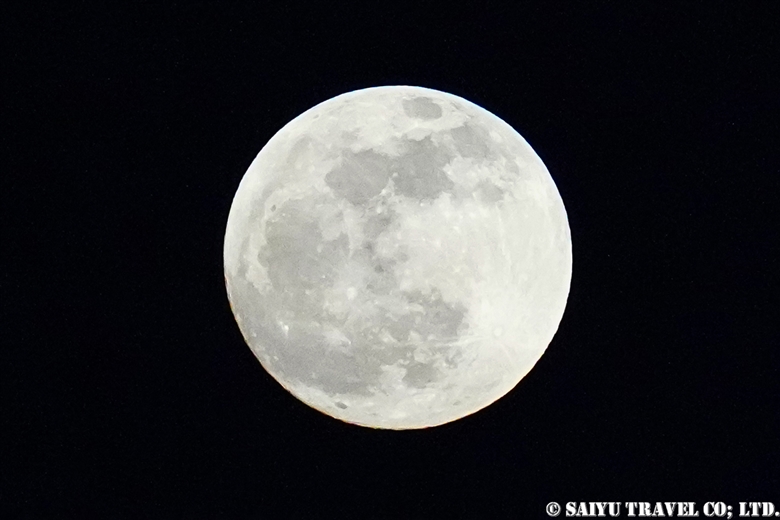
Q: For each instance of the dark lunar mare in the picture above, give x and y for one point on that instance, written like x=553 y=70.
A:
x=301 y=265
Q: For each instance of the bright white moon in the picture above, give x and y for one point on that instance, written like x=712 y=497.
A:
x=397 y=257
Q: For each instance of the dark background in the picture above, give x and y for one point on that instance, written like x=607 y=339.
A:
x=128 y=391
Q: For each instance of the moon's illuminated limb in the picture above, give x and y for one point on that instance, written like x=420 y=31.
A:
x=397 y=257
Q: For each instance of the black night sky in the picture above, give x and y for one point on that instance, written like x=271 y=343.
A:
x=127 y=389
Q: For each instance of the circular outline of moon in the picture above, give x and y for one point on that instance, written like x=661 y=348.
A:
x=398 y=257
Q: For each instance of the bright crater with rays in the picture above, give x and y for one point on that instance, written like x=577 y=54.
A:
x=397 y=257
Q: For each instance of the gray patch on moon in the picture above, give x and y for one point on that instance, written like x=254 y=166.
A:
x=422 y=108
x=360 y=176
x=305 y=356
x=401 y=327
x=490 y=193
x=242 y=290
x=300 y=264
x=472 y=141
x=442 y=320
x=419 y=172
x=298 y=149
x=292 y=322
x=383 y=281
x=293 y=256
x=377 y=223
x=420 y=375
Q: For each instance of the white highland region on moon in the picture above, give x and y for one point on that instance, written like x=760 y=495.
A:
x=397 y=257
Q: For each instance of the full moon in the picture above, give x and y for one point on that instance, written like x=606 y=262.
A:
x=397 y=257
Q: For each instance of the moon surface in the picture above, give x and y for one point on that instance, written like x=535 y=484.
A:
x=397 y=257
